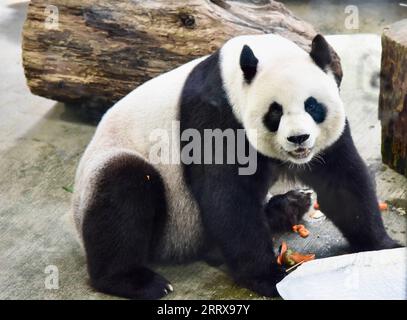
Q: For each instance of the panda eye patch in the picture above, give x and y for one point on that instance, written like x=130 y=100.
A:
x=272 y=118
x=315 y=109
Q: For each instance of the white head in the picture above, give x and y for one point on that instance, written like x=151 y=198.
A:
x=288 y=96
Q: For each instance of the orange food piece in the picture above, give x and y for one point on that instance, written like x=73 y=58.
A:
x=316 y=205
x=298 y=257
x=296 y=227
x=301 y=230
x=290 y=258
x=383 y=206
x=283 y=250
x=303 y=233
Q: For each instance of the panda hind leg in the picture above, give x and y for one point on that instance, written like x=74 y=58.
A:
x=285 y=210
x=118 y=228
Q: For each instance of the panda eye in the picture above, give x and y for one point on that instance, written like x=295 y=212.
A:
x=315 y=109
x=272 y=118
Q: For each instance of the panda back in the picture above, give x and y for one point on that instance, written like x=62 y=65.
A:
x=127 y=128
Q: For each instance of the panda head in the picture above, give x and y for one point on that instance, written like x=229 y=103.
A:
x=287 y=99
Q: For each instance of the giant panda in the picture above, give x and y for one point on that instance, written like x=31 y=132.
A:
x=131 y=210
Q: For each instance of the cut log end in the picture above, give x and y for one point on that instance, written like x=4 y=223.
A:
x=393 y=96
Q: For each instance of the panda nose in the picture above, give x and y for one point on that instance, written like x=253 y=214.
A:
x=298 y=139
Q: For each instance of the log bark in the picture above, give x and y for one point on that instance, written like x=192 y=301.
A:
x=393 y=96
x=101 y=50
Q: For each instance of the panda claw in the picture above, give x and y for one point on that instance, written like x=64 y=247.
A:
x=306 y=191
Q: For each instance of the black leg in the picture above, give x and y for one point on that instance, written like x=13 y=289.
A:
x=346 y=194
x=234 y=219
x=285 y=210
x=214 y=257
x=118 y=227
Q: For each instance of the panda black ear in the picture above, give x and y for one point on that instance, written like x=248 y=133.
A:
x=320 y=52
x=248 y=63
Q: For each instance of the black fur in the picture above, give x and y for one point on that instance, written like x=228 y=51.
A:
x=248 y=63
x=282 y=212
x=231 y=204
x=273 y=116
x=285 y=210
x=320 y=52
x=315 y=109
x=298 y=139
x=118 y=229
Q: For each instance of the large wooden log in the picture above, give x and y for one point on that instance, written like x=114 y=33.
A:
x=393 y=96
x=103 y=49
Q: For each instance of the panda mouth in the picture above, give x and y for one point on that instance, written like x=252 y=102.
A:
x=300 y=153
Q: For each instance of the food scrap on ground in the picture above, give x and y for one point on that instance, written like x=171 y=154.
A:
x=316 y=214
x=281 y=252
x=401 y=211
x=68 y=188
x=383 y=206
x=290 y=258
x=301 y=230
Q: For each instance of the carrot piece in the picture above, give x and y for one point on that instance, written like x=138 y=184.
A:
x=383 y=206
x=282 y=251
x=290 y=258
x=297 y=227
x=298 y=257
x=301 y=230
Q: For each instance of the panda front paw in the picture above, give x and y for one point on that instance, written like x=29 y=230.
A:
x=265 y=285
x=386 y=243
x=285 y=210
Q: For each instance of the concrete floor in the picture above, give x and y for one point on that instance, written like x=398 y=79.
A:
x=40 y=144
x=373 y=15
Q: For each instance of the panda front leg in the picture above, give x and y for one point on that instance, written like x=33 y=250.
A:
x=285 y=210
x=118 y=228
x=234 y=220
x=347 y=195
x=282 y=212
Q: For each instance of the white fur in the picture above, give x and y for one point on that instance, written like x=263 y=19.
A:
x=126 y=128
x=287 y=75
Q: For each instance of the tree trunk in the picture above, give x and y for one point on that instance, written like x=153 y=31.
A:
x=102 y=49
x=393 y=96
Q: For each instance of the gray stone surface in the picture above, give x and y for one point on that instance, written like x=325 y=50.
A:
x=348 y=17
x=41 y=142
